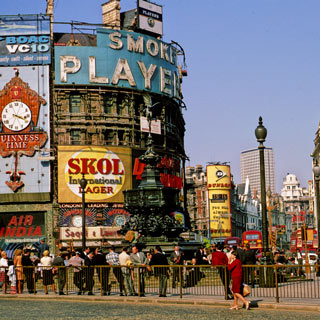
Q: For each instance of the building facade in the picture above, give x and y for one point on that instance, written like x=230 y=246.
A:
x=250 y=168
x=90 y=117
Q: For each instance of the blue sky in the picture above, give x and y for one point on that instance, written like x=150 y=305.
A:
x=245 y=58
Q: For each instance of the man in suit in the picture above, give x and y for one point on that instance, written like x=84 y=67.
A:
x=59 y=262
x=176 y=258
x=89 y=272
x=139 y=259
x=99 y=260
x=159 y=259
x=249 y=259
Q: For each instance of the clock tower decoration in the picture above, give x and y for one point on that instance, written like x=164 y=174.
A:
x=19 y=130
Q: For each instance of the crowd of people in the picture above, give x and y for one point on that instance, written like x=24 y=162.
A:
x=131 y=267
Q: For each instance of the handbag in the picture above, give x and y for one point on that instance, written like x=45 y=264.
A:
x=246 y=290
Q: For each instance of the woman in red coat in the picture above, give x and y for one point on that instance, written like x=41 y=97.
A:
x=235 y=267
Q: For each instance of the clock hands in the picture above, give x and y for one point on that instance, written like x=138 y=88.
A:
x=19 y=117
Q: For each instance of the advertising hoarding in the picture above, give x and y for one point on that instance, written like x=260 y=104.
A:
x=219 y=185
x=150 y=17
x=25 y=40
x=107 y=170
x=121 y=59
x=24 y=134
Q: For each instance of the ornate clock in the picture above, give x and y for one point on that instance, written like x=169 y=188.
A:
x=16 y=116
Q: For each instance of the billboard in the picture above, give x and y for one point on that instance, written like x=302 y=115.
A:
x=121 y=59
x=24 y=130
x=150 y=17
x=219 y=185
x=107 y=170
x=25 y=40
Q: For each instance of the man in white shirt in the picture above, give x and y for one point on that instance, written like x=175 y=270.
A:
x=127 y=271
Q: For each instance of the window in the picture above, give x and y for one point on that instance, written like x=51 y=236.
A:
x=75 y=137
x=75 y=103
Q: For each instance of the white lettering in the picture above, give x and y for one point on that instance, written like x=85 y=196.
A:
x=152 y=47
x=135 y=46
x=123 y=72
x=64 y=68
x=165 y=80
x=117 y=45
x=92 y=72
x=147 y=74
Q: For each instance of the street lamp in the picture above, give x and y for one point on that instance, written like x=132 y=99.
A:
x=83 y=184
x=261 y=133
x=316 y=172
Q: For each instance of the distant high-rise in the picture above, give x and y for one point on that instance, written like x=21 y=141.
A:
x=250 y=167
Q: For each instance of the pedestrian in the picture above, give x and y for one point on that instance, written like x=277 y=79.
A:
x=127 y=271
x=3 y=271
x=28 y=270
x=42 y=247
x=139 y=260
x=46 y=262
x=249 y=261
x=201 y=256
x=112 y=259
x=103 y=270
x=60 y=269
x=235 y=267
x=17 y=262
x=177 y=259
x=219 y=259
x=77 y=263
x=159 y=259
x=89 y=273
x=300 y=271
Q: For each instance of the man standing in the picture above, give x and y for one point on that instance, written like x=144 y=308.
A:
x=99 y=260
x=249 y=260
x=42 y=248
x=219 y=258
x=139 y=259
x=112 y=259
x=176 y=258
x=89 y=273
x=159 y=259
x=77 y=262
x=127 y=272
x=28 y=270
x=59 y=262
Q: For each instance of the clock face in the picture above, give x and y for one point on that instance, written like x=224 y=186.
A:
x=16 y=116
x=77 y=221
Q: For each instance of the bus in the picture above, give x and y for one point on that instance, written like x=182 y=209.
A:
x=298 y=241
x=253 y=238
x=232 y=241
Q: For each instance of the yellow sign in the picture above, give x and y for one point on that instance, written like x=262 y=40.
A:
x=107 y=170
x=218 y=177
x=220 y=217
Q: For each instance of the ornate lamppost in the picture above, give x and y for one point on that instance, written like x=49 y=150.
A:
x=83 y=184
x=261 y=134
x=316 y=172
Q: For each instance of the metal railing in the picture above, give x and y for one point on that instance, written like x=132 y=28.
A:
x=272 y=281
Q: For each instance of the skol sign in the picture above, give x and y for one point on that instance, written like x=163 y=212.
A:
x=107 y=173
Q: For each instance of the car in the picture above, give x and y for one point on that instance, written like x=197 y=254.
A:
x=312 y=256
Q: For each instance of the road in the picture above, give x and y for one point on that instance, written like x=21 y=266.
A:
x=52 y=309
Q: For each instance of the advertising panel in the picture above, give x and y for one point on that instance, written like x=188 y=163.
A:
x=121 y=59
x=24 y=130
x=169 y=167
x=150 y=17
x=219 y=185
x=103 y=214
x=107 y=170
x=25 y=40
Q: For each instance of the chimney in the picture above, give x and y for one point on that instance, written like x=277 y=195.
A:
x=111 y=14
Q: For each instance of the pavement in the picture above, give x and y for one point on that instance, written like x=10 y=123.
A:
x=304 y=305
